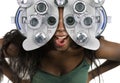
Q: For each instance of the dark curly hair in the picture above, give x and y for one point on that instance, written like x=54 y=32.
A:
x=27 y=62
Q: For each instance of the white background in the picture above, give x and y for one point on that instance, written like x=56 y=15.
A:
x=112 y=33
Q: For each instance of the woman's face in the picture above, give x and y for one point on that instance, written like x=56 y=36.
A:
x=61 y=39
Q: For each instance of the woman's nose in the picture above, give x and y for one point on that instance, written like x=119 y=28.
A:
x=61 y=26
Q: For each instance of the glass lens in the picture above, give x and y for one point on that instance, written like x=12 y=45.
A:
x=51 y=20
x=70 y=20
x=79 y=7
x=41 y=7
x=88 y=21
x=34 y=22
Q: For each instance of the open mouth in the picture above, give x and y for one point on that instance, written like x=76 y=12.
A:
x=61 y=41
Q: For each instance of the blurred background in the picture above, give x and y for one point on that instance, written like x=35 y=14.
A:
x=8 y=9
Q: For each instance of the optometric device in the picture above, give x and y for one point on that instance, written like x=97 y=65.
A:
x=84 y=20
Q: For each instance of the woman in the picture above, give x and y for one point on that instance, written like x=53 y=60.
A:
x=60 y=60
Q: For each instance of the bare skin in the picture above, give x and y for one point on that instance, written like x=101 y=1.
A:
x=63 y=57
x=106 y=66
x=12 y=51
x=108 y=50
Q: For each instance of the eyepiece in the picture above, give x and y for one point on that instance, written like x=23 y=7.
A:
x=41 y=7
x=79 y=7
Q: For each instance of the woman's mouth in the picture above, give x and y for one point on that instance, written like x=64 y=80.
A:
x=61 y=41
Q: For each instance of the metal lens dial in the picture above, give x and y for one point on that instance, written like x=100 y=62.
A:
x=40 y=37
x=34 y=22
x=61 y=3
x=79 y=7
x=88 y=21
x=70 y=20
x=51 y=20
x=82 y=37
x=41 y=7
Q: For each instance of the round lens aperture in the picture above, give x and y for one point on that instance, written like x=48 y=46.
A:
x=70 y=20
x=41 y=7
x=34 y=22
x=88 y=21
x=51 y=20
x=79 y=7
